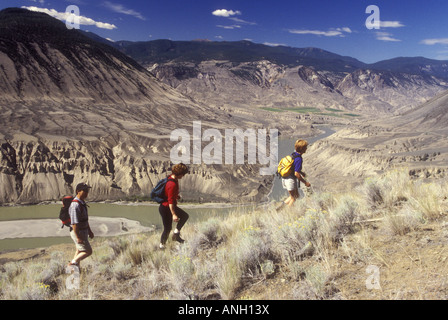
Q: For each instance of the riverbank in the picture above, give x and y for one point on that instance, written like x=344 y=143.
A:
x=42 y=228
x=131 y=203
x=39 y=226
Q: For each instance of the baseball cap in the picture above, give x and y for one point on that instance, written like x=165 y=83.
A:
x=82 y=186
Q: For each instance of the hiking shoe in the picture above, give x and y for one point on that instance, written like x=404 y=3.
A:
x=73 y=264
x=280 y=207
x=176 y=237
x=73 y=267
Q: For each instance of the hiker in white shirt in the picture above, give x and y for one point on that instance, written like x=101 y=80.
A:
x=80 y=223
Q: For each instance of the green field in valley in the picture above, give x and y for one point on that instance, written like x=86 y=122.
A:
x=311 y=110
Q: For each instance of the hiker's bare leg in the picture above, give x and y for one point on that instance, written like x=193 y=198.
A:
x=281 y=206
x=293 y=195
x=288 y=200
x=81 y=255
x=76 y=254
x=284 y=203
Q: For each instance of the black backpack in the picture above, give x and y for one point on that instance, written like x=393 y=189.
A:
x=158 y=193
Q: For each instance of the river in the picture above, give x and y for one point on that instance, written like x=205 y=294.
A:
x=146 y=214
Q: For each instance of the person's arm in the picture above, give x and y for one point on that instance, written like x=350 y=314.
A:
x=91 y=235
x=75 y=230
x=173 y=212
x=298 y=171
x=301 y=179
x=172 y=194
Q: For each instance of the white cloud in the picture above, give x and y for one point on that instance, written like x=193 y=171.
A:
x=274 y=44
x=225 y=13
x=65 y=15
x=385 y=36
x=229 y=15
x=431 y=42
x=237 y=20
x=317 y=32
x=338 y=32
x=121 y=9
x=345 y=29
x=442 y=55
x=229 y=27
x=391 y=24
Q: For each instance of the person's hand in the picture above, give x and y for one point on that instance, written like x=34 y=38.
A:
x=175 y=218
x=91 y=235
x=80 y=241
x=308 y=184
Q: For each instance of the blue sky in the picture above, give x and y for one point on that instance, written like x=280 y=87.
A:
x=408 y=28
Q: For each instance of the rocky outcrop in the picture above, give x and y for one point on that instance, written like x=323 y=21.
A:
x=32 y=172
x=314 y=78
x=337 y=166
x=389 y=92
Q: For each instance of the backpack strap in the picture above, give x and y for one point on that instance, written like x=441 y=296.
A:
x=83 y=205
x=171 y=179
x=295 y=155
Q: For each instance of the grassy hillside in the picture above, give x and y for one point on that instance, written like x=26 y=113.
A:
x=327 y=247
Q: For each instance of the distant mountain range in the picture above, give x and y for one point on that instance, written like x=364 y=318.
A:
x=286 y=78
x=163 y=51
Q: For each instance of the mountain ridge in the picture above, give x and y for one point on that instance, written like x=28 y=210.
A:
x=162 y=51
x=182 y=51
x=297 y=75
